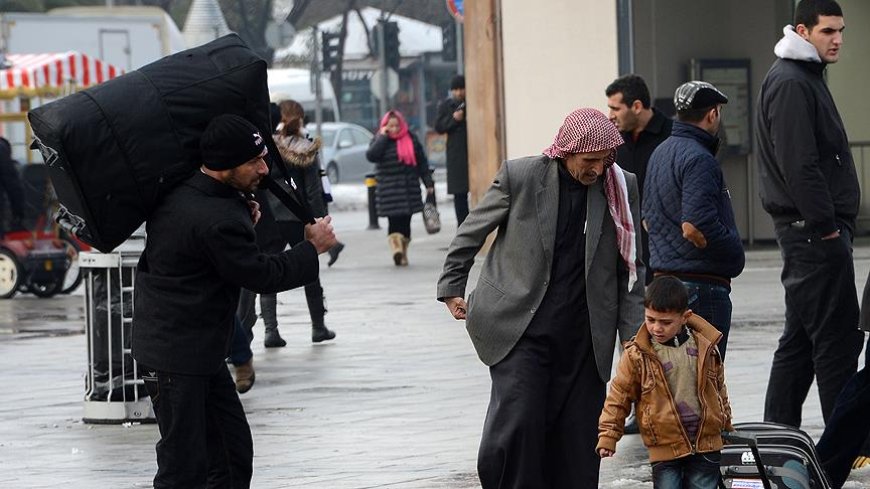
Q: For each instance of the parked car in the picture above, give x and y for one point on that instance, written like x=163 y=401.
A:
x=344 y=151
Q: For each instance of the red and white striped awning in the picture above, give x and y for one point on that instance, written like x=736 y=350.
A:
x=53 y=73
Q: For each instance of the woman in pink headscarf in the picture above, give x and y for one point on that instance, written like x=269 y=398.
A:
x=400 y=166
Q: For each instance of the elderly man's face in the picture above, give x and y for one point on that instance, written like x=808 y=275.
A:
x=248 y=175
x=587 y=167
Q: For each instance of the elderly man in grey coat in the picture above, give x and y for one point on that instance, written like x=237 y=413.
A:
x=558 y=284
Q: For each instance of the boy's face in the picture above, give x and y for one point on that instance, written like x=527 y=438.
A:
x=663 y=326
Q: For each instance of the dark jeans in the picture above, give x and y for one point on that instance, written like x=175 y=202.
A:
x=713 y=303
x=205 y=440
x=399 y=224
x=699 y=471
x=240 y=348
x=821 y=336
x=847 y=427
x=541 y=427
x=460 y=204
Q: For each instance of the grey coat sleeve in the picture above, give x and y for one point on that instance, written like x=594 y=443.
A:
x=489 y=213
x=631 y=301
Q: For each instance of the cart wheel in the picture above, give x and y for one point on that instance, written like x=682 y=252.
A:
x=45 y=289
x=10 y=274
x=73 y=276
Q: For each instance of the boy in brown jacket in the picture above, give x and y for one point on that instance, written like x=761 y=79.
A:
x=673 y=371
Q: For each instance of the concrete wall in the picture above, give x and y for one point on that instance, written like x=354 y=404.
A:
x=558 y=55
x=668 y=34
x=847 y=80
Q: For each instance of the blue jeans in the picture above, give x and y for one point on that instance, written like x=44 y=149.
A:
x=713 y=303
x=699 y=471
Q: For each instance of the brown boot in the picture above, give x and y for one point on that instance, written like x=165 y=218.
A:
x=395 y=240
x=245 y=376
x=405 y=241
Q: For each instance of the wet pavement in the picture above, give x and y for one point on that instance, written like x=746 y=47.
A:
x=397 y=400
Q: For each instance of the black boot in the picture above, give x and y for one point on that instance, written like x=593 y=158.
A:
x=319 y=332
x=273 y=339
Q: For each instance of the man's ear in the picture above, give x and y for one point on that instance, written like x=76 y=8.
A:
x=636 y=106
x=802 y=31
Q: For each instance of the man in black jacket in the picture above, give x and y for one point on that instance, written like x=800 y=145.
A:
x=643 y=128
x=809 y=186
x=451 y=121
x=201 y=249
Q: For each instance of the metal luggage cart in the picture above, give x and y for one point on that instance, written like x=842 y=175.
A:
x=114 y=390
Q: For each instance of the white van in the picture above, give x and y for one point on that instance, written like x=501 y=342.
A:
x=297 y=84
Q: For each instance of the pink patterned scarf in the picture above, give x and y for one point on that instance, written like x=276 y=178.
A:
x=589 y=131
x=404 y=143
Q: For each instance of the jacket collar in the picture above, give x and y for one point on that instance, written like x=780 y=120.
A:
x=705 y=334
x=793 y=46
x=655 y=125
x=210 y=186
x=686 y=130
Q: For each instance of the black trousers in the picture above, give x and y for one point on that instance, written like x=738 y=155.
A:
x=205 y=440
x=821 y=336
x=294 y=233
x=399 y=224
x=460 y=205
x=845 y=435
x=541 y=427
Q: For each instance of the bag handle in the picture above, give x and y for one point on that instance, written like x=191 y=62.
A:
x=294 y=203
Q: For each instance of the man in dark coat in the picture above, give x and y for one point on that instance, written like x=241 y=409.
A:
x=200 y=251
x=451 y=121
x=809 y=186
x=559 y=282
x=11 y=190
x=643 y=128
x=687 y=208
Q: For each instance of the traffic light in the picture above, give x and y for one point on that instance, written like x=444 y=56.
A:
x=448 y=42
x=391 y=44
x=329 y=50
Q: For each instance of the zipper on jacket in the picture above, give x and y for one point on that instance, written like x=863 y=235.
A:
x=839 y=163
x=685 y=433
x=702 y=380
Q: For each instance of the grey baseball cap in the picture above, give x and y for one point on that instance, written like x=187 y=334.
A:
x=697 y=95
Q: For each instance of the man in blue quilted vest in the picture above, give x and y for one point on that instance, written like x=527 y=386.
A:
x=687 y=208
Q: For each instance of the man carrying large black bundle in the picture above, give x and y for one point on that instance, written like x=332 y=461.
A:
x=200 y=251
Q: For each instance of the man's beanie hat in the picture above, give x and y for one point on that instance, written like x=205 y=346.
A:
x=229 y=141
x=697 y=95
x=458 y=81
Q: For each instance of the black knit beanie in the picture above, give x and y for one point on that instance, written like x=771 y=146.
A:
x=229 y=141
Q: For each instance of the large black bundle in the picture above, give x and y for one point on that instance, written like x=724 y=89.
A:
x=114 y=150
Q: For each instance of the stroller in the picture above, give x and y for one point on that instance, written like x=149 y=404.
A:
x=770 y=456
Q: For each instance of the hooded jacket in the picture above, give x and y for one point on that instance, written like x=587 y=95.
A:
x=804 y=161
x=300 y=154
x=640 y=378
x=685 y=183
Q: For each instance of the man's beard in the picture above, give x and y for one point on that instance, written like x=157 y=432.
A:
x=237 y=183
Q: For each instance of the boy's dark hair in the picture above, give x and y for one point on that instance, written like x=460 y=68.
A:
x=693 y=115
x=666 y=294
x=632 y=87
x=807 y=12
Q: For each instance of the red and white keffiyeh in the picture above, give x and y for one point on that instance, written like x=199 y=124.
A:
x=589 y=131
